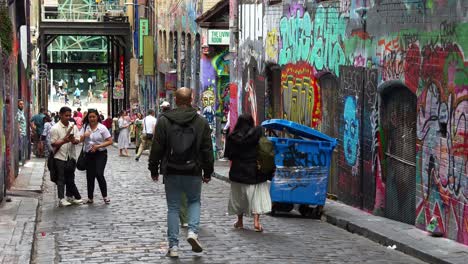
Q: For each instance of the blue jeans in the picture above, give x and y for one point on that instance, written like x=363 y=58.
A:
x=175 y=185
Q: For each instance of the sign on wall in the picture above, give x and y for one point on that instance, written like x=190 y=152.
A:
x=218 y=37
x=148 y=56
x=144 y=28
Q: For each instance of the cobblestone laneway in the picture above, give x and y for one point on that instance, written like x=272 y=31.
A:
x=132 y=229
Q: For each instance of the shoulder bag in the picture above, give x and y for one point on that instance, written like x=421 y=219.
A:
x=51 y=165
x=81 y=162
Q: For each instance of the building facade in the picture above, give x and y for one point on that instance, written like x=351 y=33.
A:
x=14 y=84
x=387 y=78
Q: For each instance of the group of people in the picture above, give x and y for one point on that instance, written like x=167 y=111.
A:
x=147 y=125
x=41 y=124
x=181 y=153
x=64 y=136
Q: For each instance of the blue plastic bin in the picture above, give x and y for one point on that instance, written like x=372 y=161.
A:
x=303 y=164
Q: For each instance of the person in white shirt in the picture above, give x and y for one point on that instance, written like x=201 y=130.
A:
x=149 y=122
x=63 y=137
x=96 y=138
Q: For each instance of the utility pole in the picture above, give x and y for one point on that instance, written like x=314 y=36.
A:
x=234 y=35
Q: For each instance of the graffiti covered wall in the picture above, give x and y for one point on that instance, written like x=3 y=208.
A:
x=370 y=47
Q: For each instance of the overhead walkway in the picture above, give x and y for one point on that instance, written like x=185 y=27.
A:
x=80 y=23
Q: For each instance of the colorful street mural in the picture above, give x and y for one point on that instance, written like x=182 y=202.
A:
x=301 y=101
x=358 y=43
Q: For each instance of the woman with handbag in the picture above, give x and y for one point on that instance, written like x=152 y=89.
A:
x=96 y=138
x=249 y=188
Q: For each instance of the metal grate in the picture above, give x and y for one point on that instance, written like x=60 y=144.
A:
x=399 y=121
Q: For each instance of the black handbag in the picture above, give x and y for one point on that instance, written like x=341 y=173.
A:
x=51 y=167
x=81 y=162
x=70 y=164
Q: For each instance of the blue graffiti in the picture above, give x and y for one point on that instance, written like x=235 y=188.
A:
x=351 y=131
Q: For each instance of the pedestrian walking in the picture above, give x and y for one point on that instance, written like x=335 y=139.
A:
x=63 y=137
x=165 y=107
x=183 y=153
x=249 y=188
x=136 y=129
x=22 y=139
x=78 y=120
x=78 y=112
x=146 y=137
x=37 y=125
x=108 y=123
x=124 y=136
x=45 y=137
x=96 y=138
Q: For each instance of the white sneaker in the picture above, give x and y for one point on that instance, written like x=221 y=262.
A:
x=72 y=200
x=78 y=202
x=192 y=239
x=172 y=252
x=184 y=225
x=63 y=202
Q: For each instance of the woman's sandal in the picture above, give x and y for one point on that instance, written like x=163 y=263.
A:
x=258 y=229
x=89 y=201
x=106 y=200
x=237 y=226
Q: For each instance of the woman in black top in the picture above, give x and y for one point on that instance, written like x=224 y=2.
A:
x=249 y=188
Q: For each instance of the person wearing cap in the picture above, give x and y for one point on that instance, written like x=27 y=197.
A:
x=165 y=106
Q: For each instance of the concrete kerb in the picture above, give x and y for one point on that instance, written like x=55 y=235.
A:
x=26 y=194
x=353 y=220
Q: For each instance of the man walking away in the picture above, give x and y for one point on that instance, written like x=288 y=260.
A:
x=37 y=125
x=183 y=152
x=149 y=122
x=63 y=137
x=21 y=119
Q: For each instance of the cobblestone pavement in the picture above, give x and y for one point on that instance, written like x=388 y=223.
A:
x=132 y=229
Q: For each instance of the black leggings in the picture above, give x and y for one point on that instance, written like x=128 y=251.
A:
x=96 y=163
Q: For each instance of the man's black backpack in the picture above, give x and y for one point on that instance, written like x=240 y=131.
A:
x=182 y=148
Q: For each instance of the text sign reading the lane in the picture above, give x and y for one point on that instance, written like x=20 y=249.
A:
x=218 y=37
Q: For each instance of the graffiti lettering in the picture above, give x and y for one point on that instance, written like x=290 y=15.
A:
x=300 y=95
x=448 y=29
x=294 y=158
x=392 y=59
x=317 y=43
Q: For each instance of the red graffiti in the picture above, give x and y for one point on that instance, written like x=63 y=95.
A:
x=233 y=114
x=412 y=66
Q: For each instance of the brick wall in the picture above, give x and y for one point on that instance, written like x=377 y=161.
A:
x=400 y=103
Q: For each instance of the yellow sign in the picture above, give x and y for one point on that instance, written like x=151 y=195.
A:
x=148 y=55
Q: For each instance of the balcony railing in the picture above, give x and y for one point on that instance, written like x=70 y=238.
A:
x=83 y=13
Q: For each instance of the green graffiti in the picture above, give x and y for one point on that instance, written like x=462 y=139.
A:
x=316 y=42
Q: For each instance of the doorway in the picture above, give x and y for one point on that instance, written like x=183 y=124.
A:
x=399 y=123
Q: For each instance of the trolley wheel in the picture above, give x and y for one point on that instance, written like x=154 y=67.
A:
x=283 y=207
x=311 y=212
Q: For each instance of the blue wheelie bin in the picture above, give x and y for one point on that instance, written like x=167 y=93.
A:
x=302 y=167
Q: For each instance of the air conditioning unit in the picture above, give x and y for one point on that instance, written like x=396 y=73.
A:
x=115 y=13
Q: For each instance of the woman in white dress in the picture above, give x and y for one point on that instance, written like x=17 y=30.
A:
x=124 y=137
x=249 y=187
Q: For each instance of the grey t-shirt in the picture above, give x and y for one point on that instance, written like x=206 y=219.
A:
x=98 y=136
